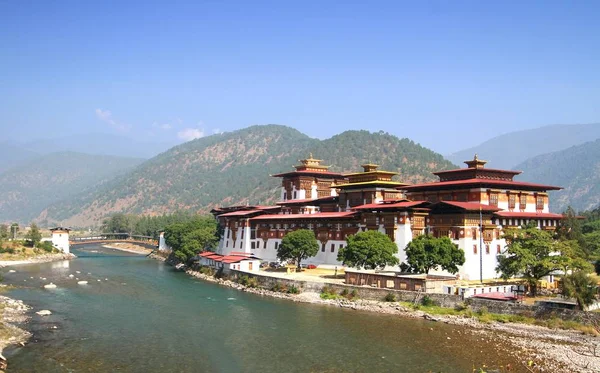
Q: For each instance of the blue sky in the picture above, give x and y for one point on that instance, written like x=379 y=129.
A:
x=446 y=74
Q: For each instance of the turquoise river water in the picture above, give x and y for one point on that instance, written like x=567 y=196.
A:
x=139 y=315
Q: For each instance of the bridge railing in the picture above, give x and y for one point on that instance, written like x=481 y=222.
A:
x=113 y=237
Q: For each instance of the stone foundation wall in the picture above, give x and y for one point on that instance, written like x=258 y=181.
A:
x=539 y=312
x=364 y=292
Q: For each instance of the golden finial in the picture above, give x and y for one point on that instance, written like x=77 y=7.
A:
x=310 y=155
x=475 y=158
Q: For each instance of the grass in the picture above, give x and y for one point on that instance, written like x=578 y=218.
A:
x=488 y=318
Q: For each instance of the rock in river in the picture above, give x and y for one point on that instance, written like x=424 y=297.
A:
x=44 y=313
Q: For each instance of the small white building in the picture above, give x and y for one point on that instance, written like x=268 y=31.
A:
x=60 y=239
x=237 y=261
x=162 y=244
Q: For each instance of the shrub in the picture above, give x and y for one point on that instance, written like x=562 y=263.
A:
x=344 y=293
x=280 y=288
x=46 y=246
x=427 y=302
x=328 y=293
x=252 y=282
x=207 y=271
x=462 y=306
x=390 y=297
x=354 y=294
x=483 y=311
x=7 y=250
x=293 y=290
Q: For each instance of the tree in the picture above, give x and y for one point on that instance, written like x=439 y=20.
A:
x=425 y=253
x=34 y=234
x=188 y=238
x=298 y=245
x=3 y=231
x=580 y=286
x=370 y=249
x=530 y=253
x=14 y=228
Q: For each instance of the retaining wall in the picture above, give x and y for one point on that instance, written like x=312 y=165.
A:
x=364 y=292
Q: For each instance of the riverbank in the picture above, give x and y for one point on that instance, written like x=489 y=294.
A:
x=42 y=258
x=540 y=349
x=128 y=247
x=12 y=311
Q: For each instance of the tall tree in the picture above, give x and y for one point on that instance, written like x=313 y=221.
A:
x=14 y=228
x=370 y=249
x=298 y=245
x=530 y=253
x=34 y=234
x=425 y=253
x=580 y=286
x=3 y=231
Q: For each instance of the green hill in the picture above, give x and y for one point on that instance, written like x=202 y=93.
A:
x=508 y=150
x=26 y=190
x=234 y=168
x=577 y=169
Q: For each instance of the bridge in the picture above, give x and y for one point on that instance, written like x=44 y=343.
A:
x=102 y=238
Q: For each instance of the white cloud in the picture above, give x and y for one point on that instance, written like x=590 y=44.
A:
x=190 y=134
x=106 y=116
x=166 y=126
x=217 y=131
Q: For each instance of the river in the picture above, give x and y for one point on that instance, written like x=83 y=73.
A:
x=139 y=315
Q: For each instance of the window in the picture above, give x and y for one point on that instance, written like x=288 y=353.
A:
x=252 y=245
x=539 y=202
x=512 y=201
x=322 y=247
x=523 y=201
x=332 y=248
x=494 y=199
x=264 y=244
x=487 y=249
x=389 y=284
x=403 y=286
x=474 y=249
x=276 y=245
x=498 y=249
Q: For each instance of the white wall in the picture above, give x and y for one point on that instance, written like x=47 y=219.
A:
x=162 y=245
x=61 y=241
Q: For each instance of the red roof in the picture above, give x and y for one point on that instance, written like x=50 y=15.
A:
x=530 y=215
x=207 y=254
x=495 y=296
x=309 y=172
x=239 y=213
x=381 y=206
x=238 y=258
x=478 y=169
x=301 y=201
x=478 y=182
x=319 y=215
x=470 y=206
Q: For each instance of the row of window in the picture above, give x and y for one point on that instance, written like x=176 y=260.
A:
x=487 y=249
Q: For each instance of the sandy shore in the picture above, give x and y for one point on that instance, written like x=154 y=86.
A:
x=550 y=350
x=43 y=258
x=130 y=248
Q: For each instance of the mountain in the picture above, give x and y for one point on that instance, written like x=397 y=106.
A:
x=508 y=150
x=100 y=143
x=13 y=155
x=234 y=168
x=577 y=169
x=25 y=191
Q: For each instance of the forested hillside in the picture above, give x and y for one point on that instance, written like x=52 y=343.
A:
x=577 y=169
x=234 y=168
x=508 y=150
x=13 y=155
x=25 y=191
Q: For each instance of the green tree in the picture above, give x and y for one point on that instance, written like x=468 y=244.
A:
x=14 y=228
x=580 y=286
x=34 y=234
x=370 y=249
x=188 y=238
x=298 y=245
x=530 y=253
x=425 y=253
x=3 y=231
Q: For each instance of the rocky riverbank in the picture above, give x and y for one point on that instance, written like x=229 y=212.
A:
x=12 y=311
x=42 y=258
x=539 y=348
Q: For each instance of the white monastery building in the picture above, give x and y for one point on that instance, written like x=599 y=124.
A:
x=336 y=205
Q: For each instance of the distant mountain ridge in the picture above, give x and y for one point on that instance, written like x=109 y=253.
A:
x=26 y=190
x=234 y=168
x=508 y=150
x=577 y=169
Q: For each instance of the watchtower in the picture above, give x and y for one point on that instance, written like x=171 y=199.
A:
x=60 y=239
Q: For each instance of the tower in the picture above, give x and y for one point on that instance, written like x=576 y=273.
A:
x=60 y=239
